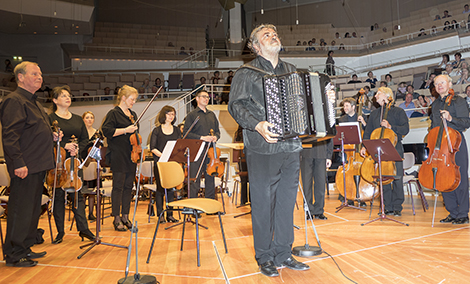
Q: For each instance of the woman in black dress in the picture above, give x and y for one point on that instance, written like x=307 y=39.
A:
x=71 y=125
x=164 y=131
x=117 y=127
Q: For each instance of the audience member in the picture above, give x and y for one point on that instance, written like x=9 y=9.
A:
x=145 y=88
x=182 y=51
x=354 y=35
x=8 y=66
x=384 y=29
x=463 y=66
x=107 y=94
x=411 y=90
x=422 y=33
x=314 y=41
x=346 y=35
x=330 y=64
x=224 y=97
x=304 y=43
x=450 y=70
x=170 y=44
x=383 y=83
x=433 y=30
x=447 y=26
x=446 y=14
x=422 y=102
x=458 y=61
x=333 y=45
x=408 y=104
x=216 y=91
x=191 y=50
x=465 y=9
x=216 y=75
x=337 y=35
x=157 y=85
x=354 y=79
x=426 y=84
x=455 y=25
x=388 y=79
x=298 y=43
x=445 y=60
x=467 y=98
x=437 y=18
x=341 y=47
x=464 y=77
x=310 y=46
x=401 y=91
x=371 y=79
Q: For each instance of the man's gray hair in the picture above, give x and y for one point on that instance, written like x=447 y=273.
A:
x=21 y=68
x=254 y=35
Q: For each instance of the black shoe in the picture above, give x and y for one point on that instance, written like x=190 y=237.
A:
x=128 y=224
x=162 y=221
x=309 y=217
x=58 y=239
x=171 y=219
x=119 y=227
x=87 y=234
x=460 y=221
x=340 y=198
x=362 y=204
x=321 y=217
x=24 y=262
x=448 y=219
x=91 y=217
x=292 y=263
x=351 y=202
x=269 y=269
x=34 y=255
x=386 y=212
x=397 y=213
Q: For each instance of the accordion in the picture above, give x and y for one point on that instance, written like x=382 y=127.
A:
x=298 y=106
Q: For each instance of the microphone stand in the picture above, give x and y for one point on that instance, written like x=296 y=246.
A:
x=96 y=154
x=147 y=279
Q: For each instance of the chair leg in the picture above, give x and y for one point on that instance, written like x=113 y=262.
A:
x=411 y=196
x=154 y=236
x=424 y=202
x=182 y=236
x=235 y=193
x=1 y=239
x=223 y=234
x=222 y=196
x=197 y=239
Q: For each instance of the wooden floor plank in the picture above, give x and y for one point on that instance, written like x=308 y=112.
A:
x=380 y=252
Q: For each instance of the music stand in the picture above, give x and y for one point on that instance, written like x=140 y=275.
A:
x=347 y=134
x=180 y=151
x=382 y=150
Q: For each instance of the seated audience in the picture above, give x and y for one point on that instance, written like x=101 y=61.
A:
x=446 y=14
x=371 y=79
x=447 y=26
x=354 y=79
x=383 y=83
x=411 y=90
x=346 y=35
x=437 y=18
x=450 y=70
x=401 y=91
x=426 y=84
x=388 y=79
x=455 y=25
x=337 y=35
x=464 y=77
x=333 y=45
x=467 y=98
x=421 y=32
x=8 y=66
x=465 y=9
x=341 y=46
x=408 y=104
x=310 y=46
x=458 y=61
x=182 y=51
x=157 y=85
x=445 y=60
x=354 y=35
x=422 y=102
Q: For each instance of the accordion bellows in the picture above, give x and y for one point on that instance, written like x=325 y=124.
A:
x=297 y=105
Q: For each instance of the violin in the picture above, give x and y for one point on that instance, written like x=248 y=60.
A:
x=57 y=176
x=136 y=142
x=363 y=190
x=71 y=166
x=440 y=172
x=369 y=166
x=215 y=167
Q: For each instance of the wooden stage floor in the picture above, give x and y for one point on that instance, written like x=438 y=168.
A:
x=381 y=252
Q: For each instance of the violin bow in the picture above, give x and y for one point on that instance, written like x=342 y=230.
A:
x=56 y=127
x=147 y=106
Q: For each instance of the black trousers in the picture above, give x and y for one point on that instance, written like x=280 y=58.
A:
x=208 y=180
x=394 y=195
x=456 y=201
x=314 y=170
x=160 y=194
x=59 y=210
x=121 y=195
x=274 y=180
x=24 y=209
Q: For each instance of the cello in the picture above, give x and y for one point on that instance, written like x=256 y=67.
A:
x=369 y=166
x=363 y=190
x=440 y=172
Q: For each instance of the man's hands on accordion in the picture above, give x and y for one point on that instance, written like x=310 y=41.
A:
x=263 y=129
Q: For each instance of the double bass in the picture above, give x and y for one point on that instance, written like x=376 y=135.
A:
x=439 y=171
x=369 y=166
x=364 y=191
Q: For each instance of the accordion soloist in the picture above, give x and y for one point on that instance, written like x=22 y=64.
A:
x=298 y=106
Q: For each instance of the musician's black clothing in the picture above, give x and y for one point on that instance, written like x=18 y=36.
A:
x=313 y=169
x=76 y=127
x=456 y=201
x=393 y=198
x=27 y=141
x=348 y=118
x=158 y=141
x=207 y=121
x=273 y=168
x=123 y=168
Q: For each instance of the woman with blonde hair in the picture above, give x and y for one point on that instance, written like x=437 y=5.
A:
x=117 y=127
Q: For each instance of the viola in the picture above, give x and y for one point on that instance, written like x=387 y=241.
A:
x=363 y=191
x=57 y=176
x=440 y=172
x=136 y=142
x=369 y=166
x=71 y=166
x=215 y=167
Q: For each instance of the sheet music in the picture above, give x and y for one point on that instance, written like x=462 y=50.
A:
x=199 y=153
x=169 y=146
x=356 y=123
